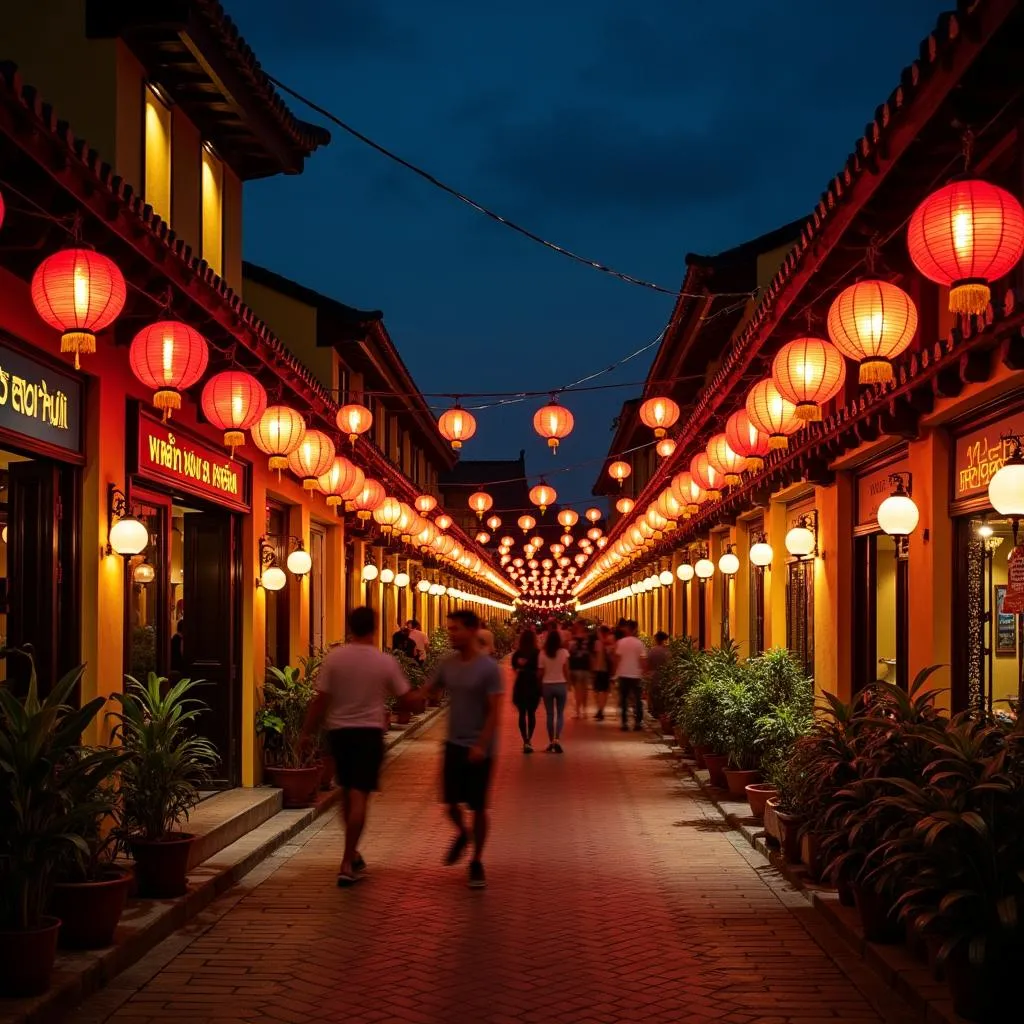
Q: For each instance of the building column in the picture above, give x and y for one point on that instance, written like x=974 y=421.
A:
x=776 y=525
x=833 y=588
x=740 y=619
x=334 y=583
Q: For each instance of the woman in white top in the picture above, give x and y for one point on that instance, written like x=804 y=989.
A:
x=554 y=677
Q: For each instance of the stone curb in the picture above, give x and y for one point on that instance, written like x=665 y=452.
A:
x=895 y=966
x=78 y=975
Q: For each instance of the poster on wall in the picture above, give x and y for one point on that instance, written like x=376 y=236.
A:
x=1006 y=626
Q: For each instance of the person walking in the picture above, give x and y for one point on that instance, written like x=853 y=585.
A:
x=353 y=682
x=474 y=685
x=526 y=689
x=631 y=658
x=579 y=667
x=603 y=665
x=554 y=680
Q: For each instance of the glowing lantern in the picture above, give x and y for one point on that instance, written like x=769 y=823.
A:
x=761 y=554
x=772 y=414
x=542 y=496
x=342 y=482
x=278 y=433
x=507 y=542
x=581 y=559
x=387 y=514
x=312 y=459
x=1006 y=487
x=426 y=503
x=808 y=372
x=746 y=440
x=423 y=586
x=689 y=493
x=704 y=568
x=659 y=414
x=725 y=460
x=527 y=523
x=369 y=498
x=593 y=514
x=898 y=514
x=354 y=419
x=537 y=542
x=233 y=401
x=558 y=550
x=800 y=542
x=706 y=476
x=665 y=447
x=872 y=322
x=408 y=523
x=168 y=357
x=483 y=537
x=655 y=520
x=619 y=471
x=965 y=235
x=668 y=505
x=553 y=422
x=728 y=564
x=568 y=518
x=480 y=502
x=567 y=539
x=456 y=425
x=624 y=506
x=493 y=522
x=78 y=292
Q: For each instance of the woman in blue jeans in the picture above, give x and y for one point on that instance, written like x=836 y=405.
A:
x=554 y=678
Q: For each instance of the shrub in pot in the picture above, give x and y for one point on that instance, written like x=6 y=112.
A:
x=42 y=765
x=415 y=672
x=288 y=762
x=165 y=766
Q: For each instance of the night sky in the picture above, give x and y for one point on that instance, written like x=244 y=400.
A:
x=633 y=133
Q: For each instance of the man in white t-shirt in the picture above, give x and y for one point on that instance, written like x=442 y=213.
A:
x=419 y=639
x=631 y=658
x=353 y=682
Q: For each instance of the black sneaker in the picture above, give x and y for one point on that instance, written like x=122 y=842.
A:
x=527 y=748
x=456 y=850
x=477 y=879
x=557 y=747
x=549 y=749
x=358 y=864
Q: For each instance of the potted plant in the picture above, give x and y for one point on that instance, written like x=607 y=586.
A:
x=160 y=778
x=702 y=709
x=287 y=762
x=42 y=762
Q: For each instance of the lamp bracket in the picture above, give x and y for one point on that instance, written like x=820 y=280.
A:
x=903 y=482
x=268 y=555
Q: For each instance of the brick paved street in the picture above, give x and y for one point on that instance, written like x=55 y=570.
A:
x=614 y=895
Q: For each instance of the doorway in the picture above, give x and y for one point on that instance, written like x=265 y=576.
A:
x=881 y=611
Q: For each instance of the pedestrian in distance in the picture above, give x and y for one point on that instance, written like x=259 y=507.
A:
x=631 y=658
x=554 y=679
x=418 y=638
x=526 y=689
x=579 y=667
x=402 y=642
x=352 y=685
x=485 y=638
x=603 y=665
x=658 y=655
x=474 y=685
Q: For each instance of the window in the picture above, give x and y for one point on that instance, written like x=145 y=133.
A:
x=317 y=588
x=213 y=209
x=157 y=156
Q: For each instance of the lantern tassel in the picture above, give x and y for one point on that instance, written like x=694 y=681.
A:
x=778 y=441
x=234 y=439
x=970 y=297
x=808 y=412
x=875 y=371
x=79 y=342
x=168 y=401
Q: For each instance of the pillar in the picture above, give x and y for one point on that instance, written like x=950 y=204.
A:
x=334 y=583
x=776 y=525
x=833 y=588
x=741 y=589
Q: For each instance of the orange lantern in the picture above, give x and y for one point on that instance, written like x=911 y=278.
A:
x=772 y=414
x=665 y=447
x=233 y=401
x=483 y=537
x=542 y=496
x=456 y=425
x=624 y=506
x=278 y=433
x=527 y=523
x=443 y=521
x=746 y=440
x=808 y=372
x=168 y=357
x=342 y=482
x=965 y=235
x=369 y=498
x=480 y=502
x=493 y=523
x=688 y=492
x=593 y=514
x=537 y=543
x=312 y=458
x=426 y=503
x=354 y=419
x=706 y=476
x=408 y=523
x=668 y=505
x=568 y=518
x=553 y=422
x=78 y=292
x=872 y=322
x=725 y=460
x=659 y=414
x=387 y=515
x=619 y=470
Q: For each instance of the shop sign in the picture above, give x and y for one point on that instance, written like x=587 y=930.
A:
x=980 y=453
x=1013 y=600
x=874 y=486
x=167 y=454
x=39 y=402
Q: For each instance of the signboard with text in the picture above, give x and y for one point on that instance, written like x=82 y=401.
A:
x=170 y=456
x=980 y=453
x=873 y=487
x=39 y=402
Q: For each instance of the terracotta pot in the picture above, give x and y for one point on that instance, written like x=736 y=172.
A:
x=327 y=771
x=789 y=827
x=26 y=959
x=715 y=764
x=698 y=755
x=89 y=911
x=161 y=865
x=738 y=780
x=403 y=716
x=810 y=854
x=417 y=705
x=299 y=785
x=877 y=920
x=772 y=828
x=758 y=794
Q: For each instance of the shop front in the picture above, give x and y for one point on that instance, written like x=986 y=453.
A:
x=184 y=592
x=41 y=458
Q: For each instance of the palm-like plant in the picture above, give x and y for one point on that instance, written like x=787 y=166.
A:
x=166 y=761
x=287 y=694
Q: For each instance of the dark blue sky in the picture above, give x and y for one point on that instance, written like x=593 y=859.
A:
x=632 y=133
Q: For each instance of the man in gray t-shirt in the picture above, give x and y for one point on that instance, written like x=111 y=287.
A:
x=474 y=684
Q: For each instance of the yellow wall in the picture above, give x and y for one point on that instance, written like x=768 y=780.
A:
x=157 y=160
x=211 y=189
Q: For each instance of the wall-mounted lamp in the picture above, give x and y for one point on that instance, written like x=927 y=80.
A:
x=370 y=572
x=898 y=515
x=126 y=533
x=272 y=577
x=143 y=573
x=685 y=572
x=387 y=575
x=761 y=553
x=423 y=586
x=299 y=562
x=802 y=539
x=1006 y=488
x=402 y=580
x=666 y=578
x=729 y=563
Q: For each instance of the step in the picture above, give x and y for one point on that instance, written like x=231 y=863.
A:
x=224 y=818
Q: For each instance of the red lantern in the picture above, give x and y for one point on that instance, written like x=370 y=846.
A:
x=168 y=357
x=872 y=322
x=624 y=506
x=426 y=503
x=659 y=414
x=966 y=235
x=369 y=498
x=665 y=447
x=443 y=521
x=456 y=425
x=746 y=440
x=619 y=470
x=707 y=477
x=542 y=496
x=688 y=492
x=480 y=502
x=233 y=401
x=808 y=372
x=387 y=515
x=728 y=462
x=354 y=419
x=772 y=414
x=78 y=292
x=342 y=482
x=278 y=433
x=553 y=422
x=312 y=458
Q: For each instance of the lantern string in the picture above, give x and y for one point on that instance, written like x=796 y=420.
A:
x=479 y=207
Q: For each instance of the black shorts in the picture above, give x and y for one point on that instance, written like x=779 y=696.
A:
x=602 y=682
x=358 y=754
x=465 y=782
